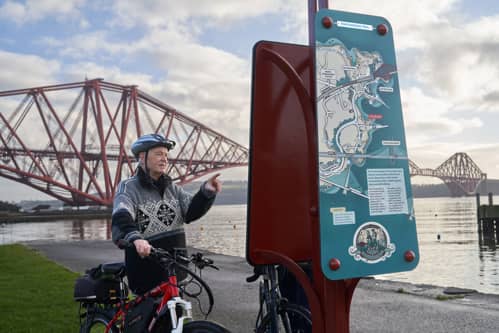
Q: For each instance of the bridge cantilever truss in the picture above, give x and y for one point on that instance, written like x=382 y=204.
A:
x=461 y=175
x=72 y=141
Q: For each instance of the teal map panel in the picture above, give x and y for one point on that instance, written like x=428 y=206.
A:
x=367 y=223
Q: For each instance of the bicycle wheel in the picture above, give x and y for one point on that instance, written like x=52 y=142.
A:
x=294 y=319
x=204 y=326
x=96 y=323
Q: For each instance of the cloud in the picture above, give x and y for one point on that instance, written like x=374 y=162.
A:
x=13 y=11
x=460 y=71
x=161 y=13
x=92 y=44
x=36 y=10
x=23 y=71
x=492 y=97
x=429 y=118
x=207 y=83
x=481 y=155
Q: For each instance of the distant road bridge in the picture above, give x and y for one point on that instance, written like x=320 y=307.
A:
x=461 y=175
x=72 y=141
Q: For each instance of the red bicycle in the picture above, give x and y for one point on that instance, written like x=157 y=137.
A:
x=106 y=307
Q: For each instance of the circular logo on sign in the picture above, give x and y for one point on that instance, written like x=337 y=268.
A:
x=371 y=243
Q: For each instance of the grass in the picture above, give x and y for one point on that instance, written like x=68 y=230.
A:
x=36 y=295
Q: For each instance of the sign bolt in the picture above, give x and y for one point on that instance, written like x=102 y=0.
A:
x=382 y=29
x=327 y=22
x=409 y=255
x=334 y=264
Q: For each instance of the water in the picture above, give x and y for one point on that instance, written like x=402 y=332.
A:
x=458 y=259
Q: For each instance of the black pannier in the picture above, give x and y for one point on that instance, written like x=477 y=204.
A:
x=100 y=284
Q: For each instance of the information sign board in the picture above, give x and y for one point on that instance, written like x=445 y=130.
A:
x=367 y=223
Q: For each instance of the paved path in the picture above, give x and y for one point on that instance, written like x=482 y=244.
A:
x=378 y=306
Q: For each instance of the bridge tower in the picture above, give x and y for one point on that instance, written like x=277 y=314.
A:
x=459 y=172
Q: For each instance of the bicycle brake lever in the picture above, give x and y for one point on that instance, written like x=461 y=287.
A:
x=252 y=278
x=182 y=258
x=123 y=244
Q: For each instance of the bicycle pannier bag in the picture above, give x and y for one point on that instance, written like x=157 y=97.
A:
x=96 y=290
x=97 y=287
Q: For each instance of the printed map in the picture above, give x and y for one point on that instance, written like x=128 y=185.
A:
x=350 y=108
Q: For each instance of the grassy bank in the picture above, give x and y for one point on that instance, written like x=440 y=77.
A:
x=36 y=295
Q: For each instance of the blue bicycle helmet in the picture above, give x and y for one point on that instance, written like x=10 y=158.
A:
x=148 y=141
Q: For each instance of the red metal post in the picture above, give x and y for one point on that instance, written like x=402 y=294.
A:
x=83 y=134
x=335 y=297
x=100 y=131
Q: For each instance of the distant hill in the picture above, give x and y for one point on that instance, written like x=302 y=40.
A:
x=233 y=193
x=441 y=190
x=491 y=185
x=236 y=193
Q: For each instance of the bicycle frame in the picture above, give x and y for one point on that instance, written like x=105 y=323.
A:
x=274 y=303
x=271 y=297
x=169 y=301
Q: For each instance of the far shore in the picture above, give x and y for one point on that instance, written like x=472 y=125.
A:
x=44 y=216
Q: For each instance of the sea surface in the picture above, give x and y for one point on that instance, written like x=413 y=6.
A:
x=451 y=251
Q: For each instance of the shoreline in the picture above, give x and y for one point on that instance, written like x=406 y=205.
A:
x=426 y=290
x=54 y=215
x=47 y=216
x=377 y=306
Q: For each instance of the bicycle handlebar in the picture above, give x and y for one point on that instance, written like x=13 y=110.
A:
x=201 y=262
x=257 y=272
x=197 y=258
x=179 y=261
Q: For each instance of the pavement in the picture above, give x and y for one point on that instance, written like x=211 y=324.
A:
x=377 y=305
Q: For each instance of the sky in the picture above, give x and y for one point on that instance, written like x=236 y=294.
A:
x=197 y=55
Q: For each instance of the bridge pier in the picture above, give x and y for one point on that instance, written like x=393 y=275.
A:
x=488 y=221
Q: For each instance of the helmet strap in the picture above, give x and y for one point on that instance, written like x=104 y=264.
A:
x=146 y=169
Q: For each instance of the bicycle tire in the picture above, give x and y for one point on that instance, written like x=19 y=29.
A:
x=96 y=323
x=293 y=312
x=204 y=326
